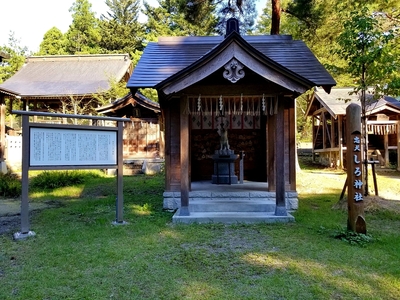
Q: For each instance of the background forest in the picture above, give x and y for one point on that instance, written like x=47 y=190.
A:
x=339 y=32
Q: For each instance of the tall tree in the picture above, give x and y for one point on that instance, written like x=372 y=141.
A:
x=179 y=18
x=275 y=16
x=83 y=35
x=120 y=29
x=243 y=10
x=17 y=55
x=372 y=55
x=53 y=43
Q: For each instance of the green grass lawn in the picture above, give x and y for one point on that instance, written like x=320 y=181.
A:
x=78 y=254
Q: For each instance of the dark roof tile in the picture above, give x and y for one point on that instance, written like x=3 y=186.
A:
x=57 y=76
x=171 y=55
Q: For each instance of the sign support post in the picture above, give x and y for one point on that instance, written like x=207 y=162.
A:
x=66 y=147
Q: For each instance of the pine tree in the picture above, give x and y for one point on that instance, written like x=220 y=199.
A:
x=83 y=35
x=54 y=43
x=120 y=30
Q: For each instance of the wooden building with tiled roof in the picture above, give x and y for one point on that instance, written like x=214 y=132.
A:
x=246 y=84
x=142 y=137
x=328 y=112
x=45 y=80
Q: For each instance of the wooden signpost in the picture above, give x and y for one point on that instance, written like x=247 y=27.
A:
x=355 y=201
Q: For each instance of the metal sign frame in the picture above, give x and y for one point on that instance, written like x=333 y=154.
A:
x=116 y=163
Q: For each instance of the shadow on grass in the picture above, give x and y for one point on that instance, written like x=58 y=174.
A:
x=78 y=252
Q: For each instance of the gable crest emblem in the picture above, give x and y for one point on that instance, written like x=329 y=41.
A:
x=233 y=70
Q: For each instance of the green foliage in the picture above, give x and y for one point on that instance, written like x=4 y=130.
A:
x=77 y=252
x=10 y=185
x=17 y=58
x=56 y=179
x=150 y=94
x=83 y=35
x=120 y=30
x=368 y=50
x=54 y=43
x=179 y=18
x=244 y=11
x=304 y=125
x=353 y=238
x=117 y=90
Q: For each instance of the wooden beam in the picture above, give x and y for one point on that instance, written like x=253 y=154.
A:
x=167 y=149
x=340 y=139
x=184 y=155
x=333 y=144
x=386 y=148
x=292 y=145
x=280 y=209
x=271 y=127
x=2 y=131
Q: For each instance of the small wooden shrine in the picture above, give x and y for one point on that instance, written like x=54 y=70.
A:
x=248 y=85
x=142 y=136
x=328 y=112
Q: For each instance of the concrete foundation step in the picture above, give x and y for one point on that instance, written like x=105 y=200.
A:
x=231 y=217
x=231 y=205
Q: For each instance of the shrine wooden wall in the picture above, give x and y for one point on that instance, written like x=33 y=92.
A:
x=141 y=138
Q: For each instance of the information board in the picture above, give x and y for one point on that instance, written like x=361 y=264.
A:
x=68 y=147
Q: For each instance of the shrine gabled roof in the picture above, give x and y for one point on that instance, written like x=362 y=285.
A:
x=172 y=57
x=129 y=99
x=63 y=75
x=337 y=101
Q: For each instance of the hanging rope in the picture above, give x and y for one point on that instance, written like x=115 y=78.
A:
x=199 y=108
x=241 y=105
x=264 y=105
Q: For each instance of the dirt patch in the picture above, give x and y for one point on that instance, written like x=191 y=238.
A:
x=9 y=224
x=10 y=213
x=373 y=203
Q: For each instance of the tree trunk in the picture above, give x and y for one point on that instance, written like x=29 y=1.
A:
x=276 y=16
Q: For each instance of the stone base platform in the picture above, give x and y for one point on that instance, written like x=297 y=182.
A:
x=240 y=203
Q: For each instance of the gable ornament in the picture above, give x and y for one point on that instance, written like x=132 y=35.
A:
x=233 y=71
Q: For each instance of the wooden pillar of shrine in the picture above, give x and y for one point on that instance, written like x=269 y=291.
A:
x=271 y=127
x=184 y=158
x=280 y=209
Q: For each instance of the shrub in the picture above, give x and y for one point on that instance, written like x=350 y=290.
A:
x=56 y=179
x=10 y=185
x=353 y=238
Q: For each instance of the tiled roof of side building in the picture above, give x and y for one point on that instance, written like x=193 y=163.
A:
x=57 y=76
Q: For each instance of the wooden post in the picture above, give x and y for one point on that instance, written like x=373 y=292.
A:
x=241 y=167
x=2 y=132
x=184 y=155
x=167 y=149
x=280 y=209
x=323 y=120
x=356 y=218
x=340 y=140
x=292 y=144
x=398 y=145
x=386 y=146
x=271 y=125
